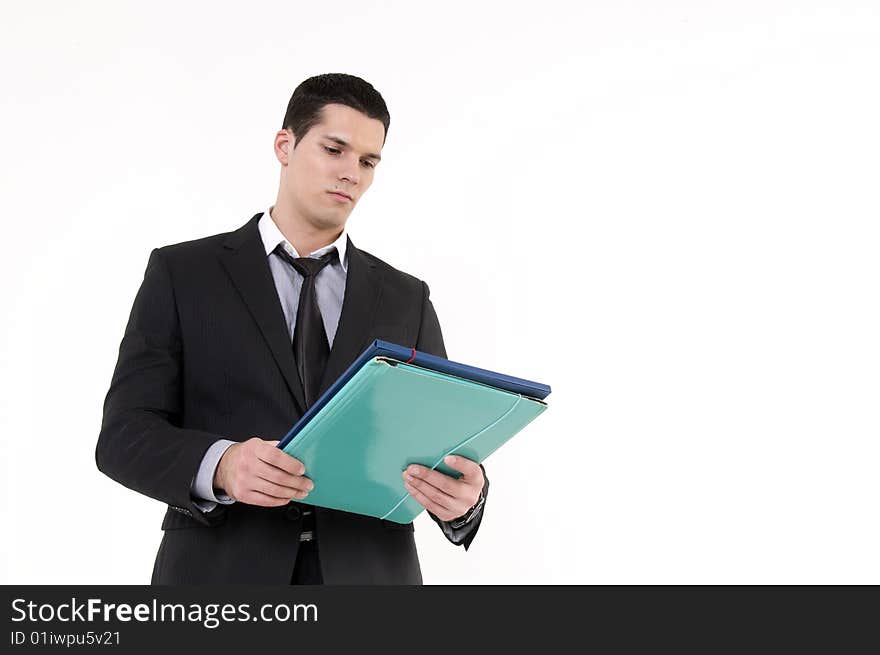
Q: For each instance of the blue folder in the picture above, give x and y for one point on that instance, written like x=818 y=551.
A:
x=396 y=406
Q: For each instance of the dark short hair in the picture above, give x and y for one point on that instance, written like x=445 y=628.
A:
x=306 y=106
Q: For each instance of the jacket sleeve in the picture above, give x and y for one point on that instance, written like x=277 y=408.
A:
x=430 y=340
x=141 y=444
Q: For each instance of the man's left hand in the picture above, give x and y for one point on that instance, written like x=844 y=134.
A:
x=446 y=497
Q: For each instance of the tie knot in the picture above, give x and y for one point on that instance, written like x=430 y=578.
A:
x=307 y=266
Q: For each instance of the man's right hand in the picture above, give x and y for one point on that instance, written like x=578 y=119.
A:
x=257 y=473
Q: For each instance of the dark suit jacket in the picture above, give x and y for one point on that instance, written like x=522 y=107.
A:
x=206 y=355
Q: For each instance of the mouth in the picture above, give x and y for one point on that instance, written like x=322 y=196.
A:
x=340 y=196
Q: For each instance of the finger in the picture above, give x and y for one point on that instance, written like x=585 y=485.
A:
x=468 y=467
x=278 y=491
x=282 y=460
x=435 y=508
x=283 y=478
x=445 y=483
x=253 y=497
x=438 y=497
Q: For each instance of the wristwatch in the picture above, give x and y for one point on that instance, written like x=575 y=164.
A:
x=472 y=512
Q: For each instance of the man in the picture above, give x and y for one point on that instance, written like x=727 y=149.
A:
x=232 y=337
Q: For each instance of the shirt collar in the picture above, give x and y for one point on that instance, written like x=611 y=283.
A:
x=272 y=236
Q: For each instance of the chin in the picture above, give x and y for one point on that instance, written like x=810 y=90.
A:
x=331 y=222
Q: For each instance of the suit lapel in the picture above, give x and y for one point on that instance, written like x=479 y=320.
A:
x=363 y=289
x=245 y=260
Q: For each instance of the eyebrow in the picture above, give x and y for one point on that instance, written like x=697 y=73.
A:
x=343 y=142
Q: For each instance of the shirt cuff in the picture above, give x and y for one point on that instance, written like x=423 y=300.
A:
x=205 y=506
x=203 y=486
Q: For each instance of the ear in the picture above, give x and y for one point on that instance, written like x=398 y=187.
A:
x=284 y=142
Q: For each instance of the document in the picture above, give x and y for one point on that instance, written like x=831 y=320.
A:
x=394 y=407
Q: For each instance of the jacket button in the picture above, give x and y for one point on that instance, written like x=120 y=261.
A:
x=294 y=513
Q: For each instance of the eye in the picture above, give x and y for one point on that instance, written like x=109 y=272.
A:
x=336 y=151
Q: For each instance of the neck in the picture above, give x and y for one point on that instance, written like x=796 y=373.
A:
x=302 y=235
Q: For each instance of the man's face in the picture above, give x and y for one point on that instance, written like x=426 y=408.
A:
x=338 y=154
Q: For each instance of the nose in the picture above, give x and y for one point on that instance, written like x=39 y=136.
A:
x=350 y=172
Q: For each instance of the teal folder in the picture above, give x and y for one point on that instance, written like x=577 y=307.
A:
x=385 y=414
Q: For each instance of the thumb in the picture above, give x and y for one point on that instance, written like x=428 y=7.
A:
x=463 y=465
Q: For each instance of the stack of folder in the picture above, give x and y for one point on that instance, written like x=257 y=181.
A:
x=396 y=406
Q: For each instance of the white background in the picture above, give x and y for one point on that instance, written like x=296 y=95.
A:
x=666 y=211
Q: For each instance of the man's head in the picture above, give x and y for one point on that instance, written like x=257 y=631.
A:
x=331 y=140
